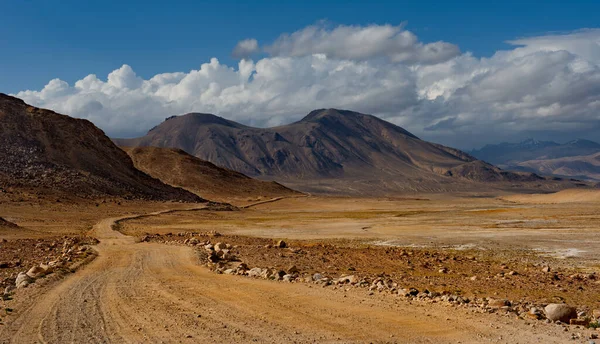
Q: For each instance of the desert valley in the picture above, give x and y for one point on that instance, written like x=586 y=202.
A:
x=370 y=235
x=402 y=172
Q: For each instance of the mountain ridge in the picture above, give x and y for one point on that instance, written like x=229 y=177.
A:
x=41 y=150
x=175 y=167
x=326 y=144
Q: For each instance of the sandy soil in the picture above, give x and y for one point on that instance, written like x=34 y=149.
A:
x=150 y=292
x=565 y=230
x=156 y=293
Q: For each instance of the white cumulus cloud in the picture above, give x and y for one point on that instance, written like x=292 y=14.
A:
x=362 y=43
x=245 y=48
x=549 y=85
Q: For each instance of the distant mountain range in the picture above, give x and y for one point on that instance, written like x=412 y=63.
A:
x=574 y=159
x=335 y=151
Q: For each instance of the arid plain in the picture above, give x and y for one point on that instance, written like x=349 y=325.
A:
x=410 y=260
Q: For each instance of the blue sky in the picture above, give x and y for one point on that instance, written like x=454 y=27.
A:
x=41 y=40
x=459 y=73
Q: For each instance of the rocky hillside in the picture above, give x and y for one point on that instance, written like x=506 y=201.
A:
x=176 y=167
x=46 y=153
x=327 y=147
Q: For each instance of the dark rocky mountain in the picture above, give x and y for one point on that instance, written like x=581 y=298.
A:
x=510 y=154
x=176 y=167
x=328 y=150
x=47 y=153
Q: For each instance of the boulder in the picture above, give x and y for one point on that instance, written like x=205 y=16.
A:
x=534 y=313
x=36 y=272
x=560 y=312
x=498 y=303
x=348 y=279
x=281 y=244
x=255 y=272
x=219 y=246
x=317 y=277
x=23 y=280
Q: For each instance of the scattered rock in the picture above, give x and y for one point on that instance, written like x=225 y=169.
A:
x=23 y=280
x=36 y=272
x=351 y=279
x=580 y=322
x=498 y=303
x=219 y=246
x=535 y=313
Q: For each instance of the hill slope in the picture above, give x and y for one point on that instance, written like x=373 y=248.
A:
x=328 y=150
x=177 y=168
x=45 y=152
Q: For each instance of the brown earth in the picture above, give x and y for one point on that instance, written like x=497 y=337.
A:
x=152 y=292
x=48 y=155
x=5 y=223
x=177 y=168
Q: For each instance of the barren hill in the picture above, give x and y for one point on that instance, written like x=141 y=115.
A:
x=176 y=167
x=328 y=150
x=45 y=152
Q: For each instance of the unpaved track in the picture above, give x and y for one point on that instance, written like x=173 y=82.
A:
x=143 y=292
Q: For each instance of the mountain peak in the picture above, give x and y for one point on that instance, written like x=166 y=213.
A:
x=328 y=113
x=582 y=143
x=196 y=119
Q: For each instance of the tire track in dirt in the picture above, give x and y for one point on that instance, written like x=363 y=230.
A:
x=148 y=292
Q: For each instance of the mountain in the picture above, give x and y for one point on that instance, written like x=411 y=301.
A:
x=42 y=152
x=176 y=167
x=330 y=151
x=510 y=154
x=582 y=167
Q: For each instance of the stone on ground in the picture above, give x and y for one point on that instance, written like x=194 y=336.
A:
x=560 y=312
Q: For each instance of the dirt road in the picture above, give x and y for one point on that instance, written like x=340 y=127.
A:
x=143 y=292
